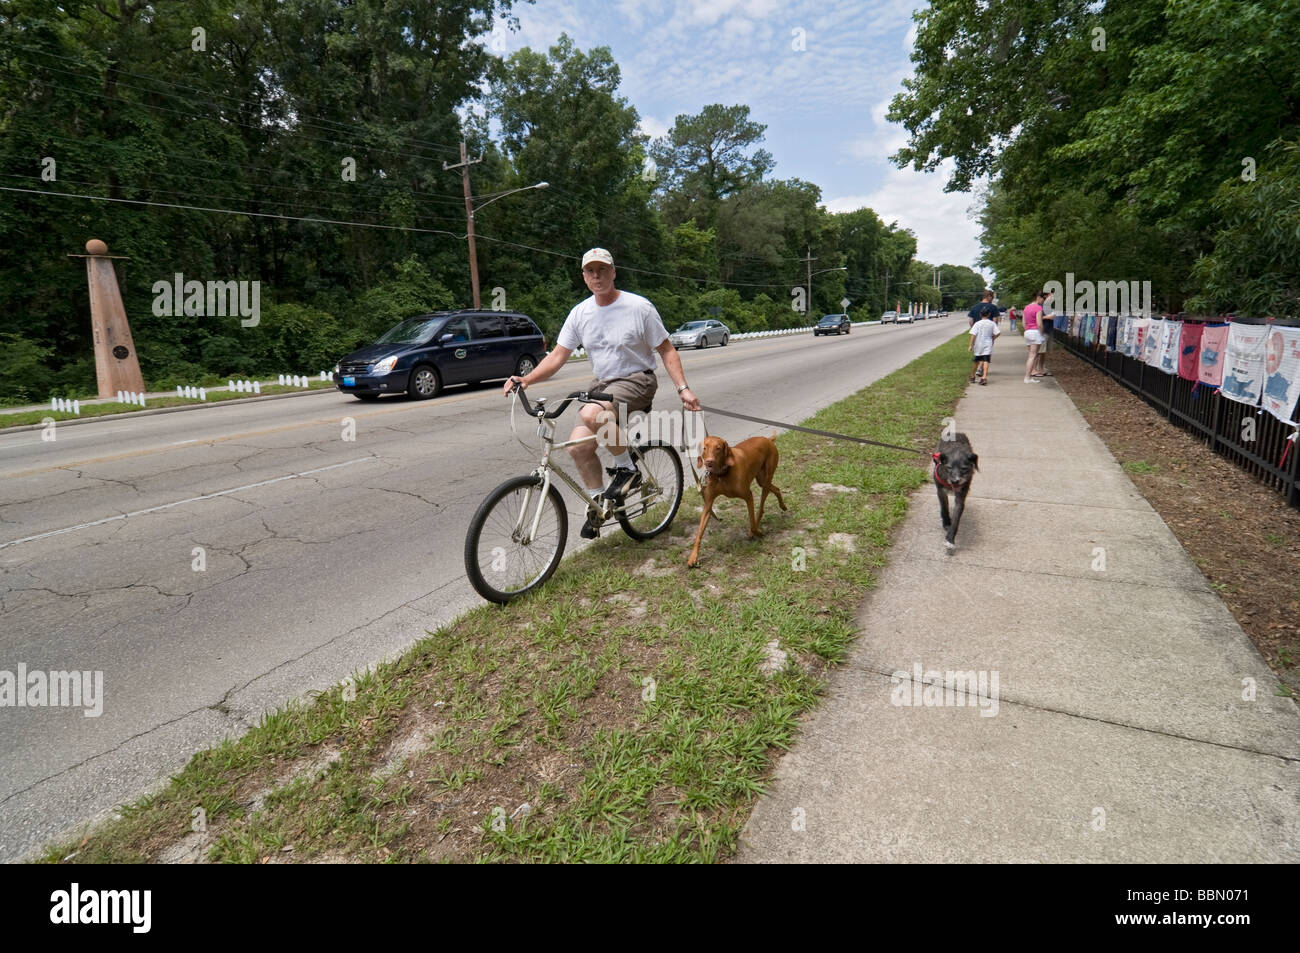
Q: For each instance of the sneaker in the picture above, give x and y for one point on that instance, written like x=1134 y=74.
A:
x=984 y=380
x=591 y=528
x=622 y=479
x=1032 y=380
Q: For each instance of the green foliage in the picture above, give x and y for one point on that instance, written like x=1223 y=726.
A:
x=27 y=378
x=302 y=116
x=1116 y=135
x=1255 y=265
x=705 y=158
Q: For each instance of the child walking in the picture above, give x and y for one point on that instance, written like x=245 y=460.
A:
x=982 y=333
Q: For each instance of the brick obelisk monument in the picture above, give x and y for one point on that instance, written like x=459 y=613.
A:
x=116 y=366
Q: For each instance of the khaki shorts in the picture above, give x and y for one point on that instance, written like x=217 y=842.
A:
x=637 y=391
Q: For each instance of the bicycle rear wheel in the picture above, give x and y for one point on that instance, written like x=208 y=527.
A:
x=649 y=509
x=501 y=559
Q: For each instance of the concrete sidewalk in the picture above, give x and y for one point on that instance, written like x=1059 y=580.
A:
x=1121 y=733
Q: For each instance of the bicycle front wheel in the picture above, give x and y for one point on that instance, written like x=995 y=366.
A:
x=649 y=509
x=504 y=558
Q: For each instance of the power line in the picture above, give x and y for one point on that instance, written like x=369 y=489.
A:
x=228 y=164
x=220 y=198
x=229 y=211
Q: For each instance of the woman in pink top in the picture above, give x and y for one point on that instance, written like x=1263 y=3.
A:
x=1034 y=337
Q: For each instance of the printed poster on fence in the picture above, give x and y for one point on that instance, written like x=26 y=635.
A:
x=1282 y=365
x=1140 y=328
x=1214 y=341
x=1170 y=335
x=1151 y=345
x=1189 y=350
x=1243 y=363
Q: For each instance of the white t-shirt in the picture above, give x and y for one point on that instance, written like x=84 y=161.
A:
x=620 y=338
x=984 y=331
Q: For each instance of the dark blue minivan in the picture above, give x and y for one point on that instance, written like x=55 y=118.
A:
x=424 y=354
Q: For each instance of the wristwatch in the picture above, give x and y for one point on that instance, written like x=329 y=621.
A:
x=683 y=387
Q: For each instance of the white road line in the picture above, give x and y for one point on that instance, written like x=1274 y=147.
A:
x=193 y=499
x=27 y=438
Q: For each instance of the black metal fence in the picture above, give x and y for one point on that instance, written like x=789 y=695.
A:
x=1250 y=437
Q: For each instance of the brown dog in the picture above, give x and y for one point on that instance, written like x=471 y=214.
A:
x=728 y=471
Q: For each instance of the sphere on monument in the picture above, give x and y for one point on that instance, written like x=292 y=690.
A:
x=96 y=247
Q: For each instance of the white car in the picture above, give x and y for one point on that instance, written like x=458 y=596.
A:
x=700 y=334
x=904 y=317
x=889 y=317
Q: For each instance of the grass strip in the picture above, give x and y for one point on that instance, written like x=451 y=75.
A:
x=630 y=710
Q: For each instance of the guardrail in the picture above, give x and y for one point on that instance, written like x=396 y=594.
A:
x=780 y=332
x=1270 y=454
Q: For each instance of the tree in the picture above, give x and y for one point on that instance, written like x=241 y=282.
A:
x=563 y=122
x=705 y=158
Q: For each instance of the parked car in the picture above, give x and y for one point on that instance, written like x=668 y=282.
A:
x=700 y=334
x=889 y=317
x=421 y=355
x=904 y=317
x=833 y=324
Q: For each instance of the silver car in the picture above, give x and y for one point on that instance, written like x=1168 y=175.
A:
x=700 y=334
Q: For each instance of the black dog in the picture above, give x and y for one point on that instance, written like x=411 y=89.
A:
x=954 y=463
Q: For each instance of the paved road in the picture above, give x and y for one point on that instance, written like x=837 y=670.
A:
x=321 y=555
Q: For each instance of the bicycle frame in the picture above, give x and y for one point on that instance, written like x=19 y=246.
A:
x=546 y=430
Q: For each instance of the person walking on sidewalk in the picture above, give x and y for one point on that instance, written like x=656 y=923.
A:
x=985 y=309
x=982 y=333
x=621 y=332
x=1034 y=338
x=1011 y=314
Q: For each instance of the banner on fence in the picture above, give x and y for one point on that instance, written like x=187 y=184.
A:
x=1189 y=350
x=1214 y=341
x=1170 y=335
x=1141 y=326
x=1243 y=363
x=1112 y=332
x=1282 y=365
x=1152 y=342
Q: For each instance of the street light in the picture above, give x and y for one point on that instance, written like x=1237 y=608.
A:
x=469 y=218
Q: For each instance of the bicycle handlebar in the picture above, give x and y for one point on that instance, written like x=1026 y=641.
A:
x=586 y=396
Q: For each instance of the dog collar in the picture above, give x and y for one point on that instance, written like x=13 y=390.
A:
x=938 y=479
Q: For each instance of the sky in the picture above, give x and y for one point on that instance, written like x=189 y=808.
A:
x=824 y=105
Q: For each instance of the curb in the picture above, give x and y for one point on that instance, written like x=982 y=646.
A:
x=73 y=421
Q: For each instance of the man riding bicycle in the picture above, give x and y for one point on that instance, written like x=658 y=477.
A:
x=620 y=332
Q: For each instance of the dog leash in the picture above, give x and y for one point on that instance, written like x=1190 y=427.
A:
x=819 y=433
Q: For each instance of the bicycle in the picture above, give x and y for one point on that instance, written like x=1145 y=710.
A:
x=516 y=537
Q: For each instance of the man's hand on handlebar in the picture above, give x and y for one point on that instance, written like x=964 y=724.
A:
x=510 y=385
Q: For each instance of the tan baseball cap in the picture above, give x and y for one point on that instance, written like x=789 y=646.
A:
x=597 y=254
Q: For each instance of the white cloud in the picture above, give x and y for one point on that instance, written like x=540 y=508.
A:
x=945 y=232
x=654 y=128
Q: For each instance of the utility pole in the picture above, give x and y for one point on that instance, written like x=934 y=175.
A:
x=464 y=165
x=886 y=289
x=809 y=260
